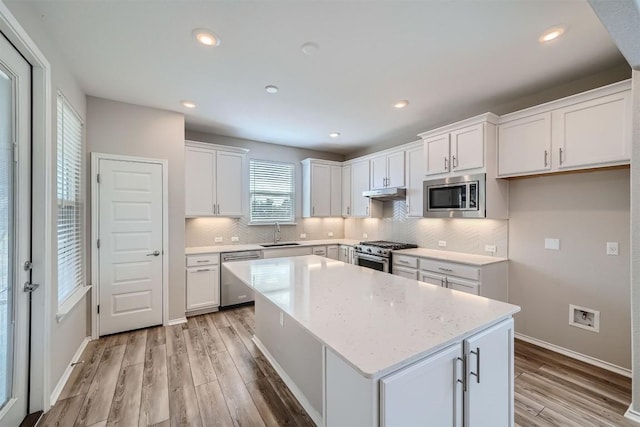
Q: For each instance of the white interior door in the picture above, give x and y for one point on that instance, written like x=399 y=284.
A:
x=130 y=209
x=15 y=231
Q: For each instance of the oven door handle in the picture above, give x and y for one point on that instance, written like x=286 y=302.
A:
x=373 y=258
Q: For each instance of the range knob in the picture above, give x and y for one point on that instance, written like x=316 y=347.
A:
x=369 y=250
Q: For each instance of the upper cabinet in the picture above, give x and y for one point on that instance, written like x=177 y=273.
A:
x=414 y=179
x=346 y=190
x=321 y=188
x=460 y=148
x=588 y=130
x=361 y=206
x=387 y=171
x=213 y=180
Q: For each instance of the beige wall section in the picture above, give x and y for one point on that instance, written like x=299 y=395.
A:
x=65 y=336
x=635 y=241
x=584 y=211
x=130 y=130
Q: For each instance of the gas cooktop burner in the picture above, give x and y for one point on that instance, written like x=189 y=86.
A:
x=394 y=246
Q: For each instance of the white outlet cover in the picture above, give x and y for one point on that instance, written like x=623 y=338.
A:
x=330 y=234
x=613 y=249
x=552 y=244
x=303 y=236
x=365 y=235
x=235 y=239
x=442 y=243
x=490 y=248
x=218 y=239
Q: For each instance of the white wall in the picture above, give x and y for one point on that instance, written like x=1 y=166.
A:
x=125 y=129
x=67 y=335
x=584 y=211
x=635 y=243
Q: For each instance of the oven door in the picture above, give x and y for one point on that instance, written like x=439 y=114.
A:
x=372 y=261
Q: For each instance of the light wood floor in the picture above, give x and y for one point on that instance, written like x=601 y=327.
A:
x=208 y=372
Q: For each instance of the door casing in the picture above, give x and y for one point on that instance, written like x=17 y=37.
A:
x=95 y=159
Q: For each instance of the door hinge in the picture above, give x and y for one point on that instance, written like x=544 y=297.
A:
x=98 y=243
x=28 y=265
x=30 y=287
x=98 y=308
x=98 y=178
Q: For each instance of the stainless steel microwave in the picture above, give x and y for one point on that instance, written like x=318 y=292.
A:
x=455 y=197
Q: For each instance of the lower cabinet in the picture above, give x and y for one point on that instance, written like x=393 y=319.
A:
x=203 y=287
x=469 y=383
x=346 y=254
x=333 y=252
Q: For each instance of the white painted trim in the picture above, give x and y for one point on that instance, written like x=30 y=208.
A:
x=208 y=146
x=178 y=321
x=95 y=292
x=575 y=355
x=42 y=230
x=632 y=415
x=71 y=302
x=67 y=372
x=304 y=402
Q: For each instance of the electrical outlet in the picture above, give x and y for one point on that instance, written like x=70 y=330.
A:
x=330 y=234
x=584 y=318
x=442 y=243
x=282 y=319
x=612 y=248
x=235 y=239
x=490 y=248
x=303 y=236
x=552 y=244
x=218 y=239
x=365 y=236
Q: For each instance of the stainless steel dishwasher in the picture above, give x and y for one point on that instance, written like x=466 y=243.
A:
x=232 y=290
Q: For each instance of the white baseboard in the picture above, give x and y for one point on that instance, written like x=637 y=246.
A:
x=632 y=415
x=575 y=355
x=304 y=402
x=177 y=321
x=67 y=372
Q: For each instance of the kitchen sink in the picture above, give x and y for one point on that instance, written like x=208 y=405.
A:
x=273 y=245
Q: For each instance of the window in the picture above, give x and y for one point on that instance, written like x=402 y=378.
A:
x=71 y=260
x=271 y=191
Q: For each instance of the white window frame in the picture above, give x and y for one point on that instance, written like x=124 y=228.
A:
x=268 y=221
x=75 y=295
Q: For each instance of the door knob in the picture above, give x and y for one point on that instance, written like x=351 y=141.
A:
x=154 y=253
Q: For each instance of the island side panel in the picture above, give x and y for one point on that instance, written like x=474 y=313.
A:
x=295 y=350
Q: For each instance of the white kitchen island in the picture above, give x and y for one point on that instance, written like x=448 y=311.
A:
x=363 y=348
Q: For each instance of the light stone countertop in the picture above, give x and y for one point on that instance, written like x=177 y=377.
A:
x=459 y=257
x=196 y=250
x=376 y=322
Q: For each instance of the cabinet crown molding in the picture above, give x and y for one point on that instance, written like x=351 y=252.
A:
x=481 y=118
x=210 y=146
x=322 y=161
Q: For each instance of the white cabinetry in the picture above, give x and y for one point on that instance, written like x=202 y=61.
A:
x=347 y=254
x=214 y=177
x=286 y=252
x=442 y=390
x=414 y=180
x=319 y=250
x=387 y=170
x=588 y=130
x=346 y=190
x=333 y=252
x=321 y=188
x=361 y=206
x=203 y=282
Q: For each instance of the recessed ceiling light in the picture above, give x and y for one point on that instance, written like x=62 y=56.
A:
x=188 y=104
x=551 y=34
x=309 y=48
x=334 y=134
x=271 y=89
x=401 y=104
x=206 y=37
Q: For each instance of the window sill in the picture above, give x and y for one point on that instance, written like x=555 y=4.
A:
x=272 y=223
x=71 y=302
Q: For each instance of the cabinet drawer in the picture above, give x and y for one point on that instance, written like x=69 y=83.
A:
x=320 y=251
x=409 y=273
x=198 y=260
x=406 y=261
x=450 y=269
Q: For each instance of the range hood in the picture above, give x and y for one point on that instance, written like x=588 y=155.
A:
x=385 y=194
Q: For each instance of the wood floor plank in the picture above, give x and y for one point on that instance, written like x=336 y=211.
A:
x=175 y=340
x=179 y=371
x=241 y=407
x=156 y=336
x=115 y=340
x=525 y=419
x=219 y=319
x=100 y=394
x=273 y=411
x=523 y=403
x=82 y=374
x=183 y=405
x=192 y=322
x=125 y=408
x=165 y=423
x=210 y=335
x=244 y=330
x=213 y=408
x=63 y=413
x=136 y=345
x=201 y=368
x=244 y=361
x=154 y=403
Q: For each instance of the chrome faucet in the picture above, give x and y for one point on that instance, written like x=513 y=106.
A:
x=276 y=233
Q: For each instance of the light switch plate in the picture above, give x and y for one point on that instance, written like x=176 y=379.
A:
x=365 y=235
x=612 y=249
x=552 y=244
x=235 y=239
x=330 y=234
x=442 y=243
x=218 y=239
x=303 y=235
x=490 y=248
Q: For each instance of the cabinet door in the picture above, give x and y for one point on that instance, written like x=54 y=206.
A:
x=203 y=287
x=344 y=254
x=229 y=183
x=359 y=183
x=426 y=393
x=432 y=278
x=467 y=148
x=333 y=252
x=436 y=152
x=596 y=132
x=415 y=179
x=319 y=250
x=463 y=285
x=409 y=273
x=346 y=190
x=320 y=190
x=524 y=145
x=378 y=172
x=489 y=397
x=199 y=181
x=395 y=169
x=336 y=191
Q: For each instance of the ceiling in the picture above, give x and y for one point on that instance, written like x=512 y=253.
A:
x=450 y=59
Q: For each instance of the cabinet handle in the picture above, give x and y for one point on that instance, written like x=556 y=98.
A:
x=444 y=269
x=402 y=261
x=464 y=372
x=446 y=283
x=454 y=162
x=348 y=210
x=218 y=208
x=546 y=158
x=367 y=210
x=313 y=210
x=203 y=260
x=445 y=163
x=214 y=208
x=202 y=269
x=560 y=155
x=477 y=373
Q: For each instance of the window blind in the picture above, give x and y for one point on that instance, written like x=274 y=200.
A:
x=71 y=259
x=271 y=191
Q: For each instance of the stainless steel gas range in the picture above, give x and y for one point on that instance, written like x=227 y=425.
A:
x=377 y=254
